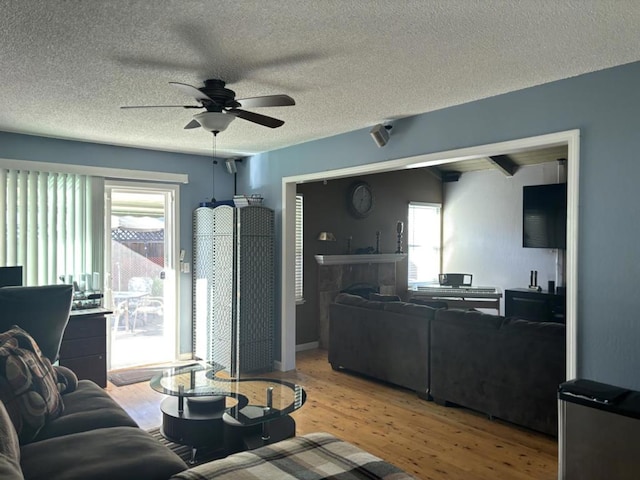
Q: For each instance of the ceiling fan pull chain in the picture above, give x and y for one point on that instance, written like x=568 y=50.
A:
x=213 y=174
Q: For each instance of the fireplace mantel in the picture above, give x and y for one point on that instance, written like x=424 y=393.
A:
x=364 y=258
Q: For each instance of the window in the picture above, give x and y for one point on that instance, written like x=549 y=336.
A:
x=50 y=226
x=299 y=250
x=424 y=243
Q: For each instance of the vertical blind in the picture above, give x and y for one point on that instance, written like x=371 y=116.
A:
x=299 y=252
x=51 y=224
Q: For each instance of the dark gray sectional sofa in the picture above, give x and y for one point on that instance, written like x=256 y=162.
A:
x=96 y=439
x=93 y=438
x=507 y=368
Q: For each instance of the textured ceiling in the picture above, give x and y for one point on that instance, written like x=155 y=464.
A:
x=68 y=65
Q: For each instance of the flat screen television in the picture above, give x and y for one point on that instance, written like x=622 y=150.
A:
x=544 y=216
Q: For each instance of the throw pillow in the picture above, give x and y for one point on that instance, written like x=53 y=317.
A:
x=28 y=384
x=67 y=380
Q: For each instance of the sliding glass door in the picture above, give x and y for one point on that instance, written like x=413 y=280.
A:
x=141 y=286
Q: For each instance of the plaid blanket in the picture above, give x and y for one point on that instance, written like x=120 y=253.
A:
x=315 y=456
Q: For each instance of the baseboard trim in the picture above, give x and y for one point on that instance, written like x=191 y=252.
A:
x=277 y=364
x=307 y=346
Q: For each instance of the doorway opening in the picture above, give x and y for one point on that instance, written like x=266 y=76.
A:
x=570 y=139
x=141 y=275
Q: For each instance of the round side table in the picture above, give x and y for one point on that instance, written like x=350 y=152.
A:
x=199 y=424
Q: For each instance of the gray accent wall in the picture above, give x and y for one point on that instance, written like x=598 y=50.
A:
x=604 y=106
x=325 y=209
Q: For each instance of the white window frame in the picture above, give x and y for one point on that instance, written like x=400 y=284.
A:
x=299 y=245
x=412 y=245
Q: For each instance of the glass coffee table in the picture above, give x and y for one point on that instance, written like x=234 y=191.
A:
x=206 y=408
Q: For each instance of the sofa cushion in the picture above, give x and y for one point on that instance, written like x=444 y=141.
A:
x=506 y=368
x=9 y=447
x=465 y=351
x=389 y=346
x=430 y=303
x=410 y=309
x=534 y=351
x=27 y=384
x=374 y=305
x=87 y=408
x=471 y=318
x=357 y=301
x=103 y=454
x=378 y=297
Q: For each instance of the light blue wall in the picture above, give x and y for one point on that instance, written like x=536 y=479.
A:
x=605 y=107
x=200 y=186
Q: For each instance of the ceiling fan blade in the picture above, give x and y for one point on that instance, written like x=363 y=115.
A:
x=257 y=118
x=267 y=101
x=193 y=92
x=192 y=124
x=162 y=106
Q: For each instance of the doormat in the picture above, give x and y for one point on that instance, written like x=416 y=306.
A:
x=135 y=375
x=203 y=454
x=130 y=376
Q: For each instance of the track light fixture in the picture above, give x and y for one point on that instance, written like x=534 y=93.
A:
x=380 y=134
x=230 y=163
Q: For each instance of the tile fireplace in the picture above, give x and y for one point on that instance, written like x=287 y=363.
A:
x=337 y=272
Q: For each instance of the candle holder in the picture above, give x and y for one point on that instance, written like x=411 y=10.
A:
x=377 y=242
x=399 y=231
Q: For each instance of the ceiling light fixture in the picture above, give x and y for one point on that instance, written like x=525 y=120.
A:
x=214 y=122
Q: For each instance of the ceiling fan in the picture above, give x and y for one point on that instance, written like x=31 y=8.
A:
x=221 y=106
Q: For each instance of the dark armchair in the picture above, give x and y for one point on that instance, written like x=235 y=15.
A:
x=43 y=312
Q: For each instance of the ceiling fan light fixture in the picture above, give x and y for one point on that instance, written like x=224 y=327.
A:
x=214 y=121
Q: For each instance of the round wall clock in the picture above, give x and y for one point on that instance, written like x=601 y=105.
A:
x=360 y=199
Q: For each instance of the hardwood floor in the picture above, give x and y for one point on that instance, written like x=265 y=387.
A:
x=422 y=438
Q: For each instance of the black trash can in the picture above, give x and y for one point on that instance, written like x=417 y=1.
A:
x=598 y=431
